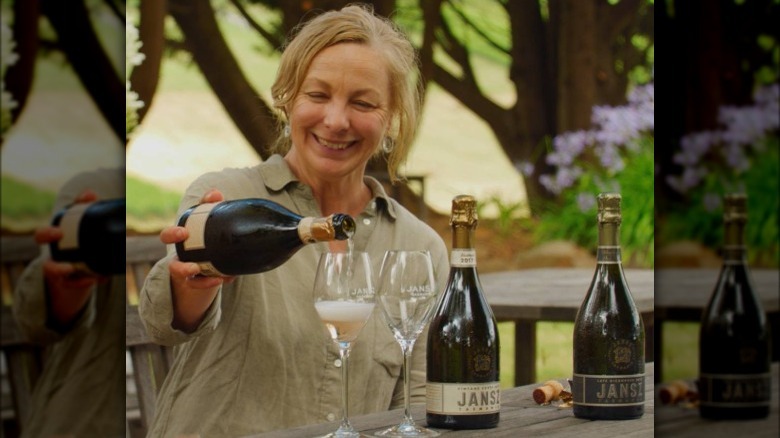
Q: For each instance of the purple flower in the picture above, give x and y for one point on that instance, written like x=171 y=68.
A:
x=690 y=178
x=711 y=202
x=568 y=146
x=610 y=158
x=736 y=158
x=694 y=146
x=525 y=167
x=586 y=201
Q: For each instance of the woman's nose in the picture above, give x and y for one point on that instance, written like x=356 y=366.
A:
x=336 y=117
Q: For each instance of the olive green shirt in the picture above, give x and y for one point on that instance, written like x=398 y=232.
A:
x=81 y=389
x=262 y=359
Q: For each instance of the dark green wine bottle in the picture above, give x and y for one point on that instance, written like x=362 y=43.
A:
x=463 y=390
x=250 y=236
x=93 y=236
x=734 y=339
x=609 y=336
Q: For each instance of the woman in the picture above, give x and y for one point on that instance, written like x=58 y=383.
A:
x=252 y=354
x=80 y=319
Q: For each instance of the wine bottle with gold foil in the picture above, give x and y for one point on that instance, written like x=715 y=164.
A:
x=609 y=337
x=250 y=236
x=463 y=389
x=734 y=340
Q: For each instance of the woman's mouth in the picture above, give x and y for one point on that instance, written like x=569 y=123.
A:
x=333 y=144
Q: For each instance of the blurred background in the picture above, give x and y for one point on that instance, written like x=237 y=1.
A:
x=532 y=106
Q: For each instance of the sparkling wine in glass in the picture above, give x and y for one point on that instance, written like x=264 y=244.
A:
x=407 y=297
x=344 y=299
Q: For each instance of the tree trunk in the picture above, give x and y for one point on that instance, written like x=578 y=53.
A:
x=151 y=30
x=253 y=117
x=577 y=64
x=78 y=40
x=19 y=77
x=533 y=115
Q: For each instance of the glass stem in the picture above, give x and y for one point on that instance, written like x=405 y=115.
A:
x=406 y=348
x=344 y=349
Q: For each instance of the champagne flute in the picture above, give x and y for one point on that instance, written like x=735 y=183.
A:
x=407 y=297
x=344 y=299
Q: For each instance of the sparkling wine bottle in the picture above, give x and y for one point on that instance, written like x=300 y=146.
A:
x=93 y=236
x=609 y=336
x=463 y=389
x=734 y=340
x=250 y=236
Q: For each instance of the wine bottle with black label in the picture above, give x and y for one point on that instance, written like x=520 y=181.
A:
x=734 y=340
x=250 y=236
x=93 y=236
x=463 y=390
x=609 y=337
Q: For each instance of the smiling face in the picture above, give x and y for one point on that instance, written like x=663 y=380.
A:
x=341 y=112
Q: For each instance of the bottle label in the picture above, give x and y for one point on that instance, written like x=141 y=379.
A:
x=196 y=226
x=608 y=390
x=463 y=398
x=69 y=224
x=463 y=258
x=735 y=390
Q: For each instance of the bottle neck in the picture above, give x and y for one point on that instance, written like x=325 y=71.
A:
x=463 y=253
x=608 y=250
x=734 y=251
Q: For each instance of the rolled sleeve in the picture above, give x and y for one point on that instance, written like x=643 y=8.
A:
x=156 y=308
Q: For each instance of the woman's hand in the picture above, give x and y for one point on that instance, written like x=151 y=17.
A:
x=192 y=292
x=68 y=287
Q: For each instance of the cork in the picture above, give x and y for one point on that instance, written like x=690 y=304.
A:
x=548 y=392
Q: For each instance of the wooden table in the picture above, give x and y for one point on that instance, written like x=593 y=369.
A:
x=682 y=294
x=526 y=297
x=680 y=421
x=520 y=416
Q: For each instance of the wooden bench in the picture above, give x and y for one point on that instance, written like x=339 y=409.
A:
x=21 y=360
x=150 y=362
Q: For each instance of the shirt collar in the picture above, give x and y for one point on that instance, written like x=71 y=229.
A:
x=277 y=175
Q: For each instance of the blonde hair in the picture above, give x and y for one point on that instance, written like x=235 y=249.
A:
x=356 y=23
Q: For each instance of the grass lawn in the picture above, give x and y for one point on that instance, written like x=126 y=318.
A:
x=554 y=351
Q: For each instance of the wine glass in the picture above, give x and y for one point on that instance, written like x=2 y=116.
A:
x=407 y=297
x=344 y=299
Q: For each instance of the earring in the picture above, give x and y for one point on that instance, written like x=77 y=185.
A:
x=387 y=145
x=286 y=130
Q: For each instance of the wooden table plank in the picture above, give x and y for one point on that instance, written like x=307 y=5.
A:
x=520 y=416
x=682 y=295
x=683 y=422
x=526 y=297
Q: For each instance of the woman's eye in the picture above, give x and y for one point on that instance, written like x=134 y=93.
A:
x=316 y=95
x=363 y=104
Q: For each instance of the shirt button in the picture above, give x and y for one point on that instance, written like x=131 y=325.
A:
x=337 y=363
x=367 y=221
x=331 y=416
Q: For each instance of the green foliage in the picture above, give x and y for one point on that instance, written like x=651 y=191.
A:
x=145 y=200
x=21 y=200
x=553 y=351
x=680 y=355
x=696 y=218
x=508 y=213
x=573 y=216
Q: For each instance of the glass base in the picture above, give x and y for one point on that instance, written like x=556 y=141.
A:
x=343 y=433
x=406 y=430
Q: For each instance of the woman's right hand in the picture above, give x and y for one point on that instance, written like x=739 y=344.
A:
x=192 y=292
